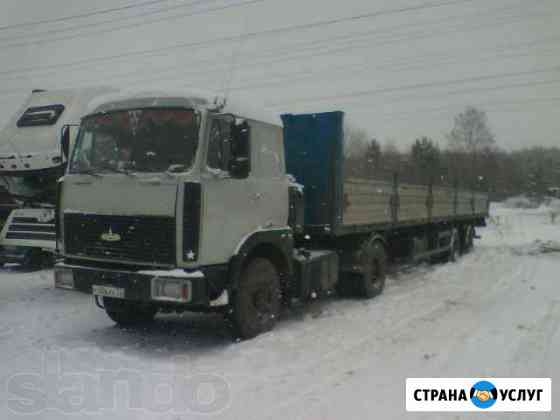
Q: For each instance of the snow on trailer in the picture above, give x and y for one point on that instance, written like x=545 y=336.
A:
x=34 y=147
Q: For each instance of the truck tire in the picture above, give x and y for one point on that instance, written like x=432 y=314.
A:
x=36 y=259
x=256 y=303
x=468 y=240
x=346 y=286
x=127 y=313
x=455 y=247
x=371 y=281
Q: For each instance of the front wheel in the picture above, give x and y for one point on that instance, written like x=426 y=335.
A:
x=126 y=313
x=256 y=303
x=37 y=259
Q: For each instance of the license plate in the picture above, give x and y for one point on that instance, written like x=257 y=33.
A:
x=108 y=291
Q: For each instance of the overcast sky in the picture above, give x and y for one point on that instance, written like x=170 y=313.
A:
x=400 y=69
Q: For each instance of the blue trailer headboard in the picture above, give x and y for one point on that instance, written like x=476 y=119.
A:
x=314 y=156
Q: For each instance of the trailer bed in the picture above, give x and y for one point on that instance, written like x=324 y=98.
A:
x=337 y=205
x=370 y=202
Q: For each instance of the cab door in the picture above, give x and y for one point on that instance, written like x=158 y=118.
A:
x=229 y=203
x=269 y=170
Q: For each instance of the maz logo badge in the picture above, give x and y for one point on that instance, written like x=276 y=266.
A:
x=110 y=236
x=45 y=216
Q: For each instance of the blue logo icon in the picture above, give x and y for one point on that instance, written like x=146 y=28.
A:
x=484 y=394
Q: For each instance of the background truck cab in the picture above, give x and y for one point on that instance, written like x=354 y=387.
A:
x=32 y=158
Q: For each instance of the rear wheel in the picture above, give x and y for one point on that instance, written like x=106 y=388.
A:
x=454 y=247
x=256 y=303
x=468 y=239
x=371 y=281
x=127 y=313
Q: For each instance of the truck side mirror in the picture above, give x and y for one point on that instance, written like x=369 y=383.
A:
x=240 y=162
x=65 y=141
x=68 y=135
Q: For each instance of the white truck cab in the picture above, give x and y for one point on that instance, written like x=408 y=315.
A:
x=32 y=158
x=170 y=193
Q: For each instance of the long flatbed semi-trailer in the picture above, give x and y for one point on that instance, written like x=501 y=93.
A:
x=339 y=205
x=233 y=210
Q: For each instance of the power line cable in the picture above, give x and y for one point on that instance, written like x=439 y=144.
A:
x=362 y=69
x=485 y=89
x=306 y=75
x=483 y=106
x=127 y=26
x=313 y=46
x=418 y=86
x=82 y=15
x=96 y=24
x=426 y=60
x=330 y=51
x=371 y=106
x=272 y=31
x=329 y=41
x=401 y=64
x=249 y=86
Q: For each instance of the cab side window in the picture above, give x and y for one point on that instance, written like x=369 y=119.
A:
x=82 y=154
x=219 y=146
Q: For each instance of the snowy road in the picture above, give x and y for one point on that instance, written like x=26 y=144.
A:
x=494 y=313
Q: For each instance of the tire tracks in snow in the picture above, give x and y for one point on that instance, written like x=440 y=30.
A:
x=453 y=293
x=393 y=331
x=535 y=346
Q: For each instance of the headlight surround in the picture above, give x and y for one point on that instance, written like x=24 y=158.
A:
x=171 y=289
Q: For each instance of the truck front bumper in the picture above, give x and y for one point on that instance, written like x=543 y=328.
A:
x=174 y=287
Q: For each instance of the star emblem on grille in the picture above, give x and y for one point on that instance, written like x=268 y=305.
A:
x=191 y=255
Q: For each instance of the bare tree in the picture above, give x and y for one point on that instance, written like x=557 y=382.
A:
x=471 y=132
x=468 y=140
x=392 y=160
x=373 y=158
x=355 y=141
x=355 y=150
x=425 y=157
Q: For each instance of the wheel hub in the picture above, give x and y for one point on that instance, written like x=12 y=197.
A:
x=374 y=273
x=262 y=301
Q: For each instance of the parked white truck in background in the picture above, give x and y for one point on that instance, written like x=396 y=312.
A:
x=177 y=202
x=32 y=159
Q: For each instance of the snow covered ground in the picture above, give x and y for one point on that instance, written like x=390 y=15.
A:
x=494 y=313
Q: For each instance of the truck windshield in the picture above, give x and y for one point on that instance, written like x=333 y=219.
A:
x=141 y=140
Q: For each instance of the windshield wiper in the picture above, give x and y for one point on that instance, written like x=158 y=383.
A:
x=89 y=172
x=114 y=169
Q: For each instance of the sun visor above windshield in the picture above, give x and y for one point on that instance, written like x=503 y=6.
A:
x=140 y=103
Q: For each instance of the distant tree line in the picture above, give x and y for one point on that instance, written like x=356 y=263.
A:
x=470 y=159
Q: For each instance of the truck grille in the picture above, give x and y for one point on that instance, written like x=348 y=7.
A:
x=143 y=239
x=31 y=228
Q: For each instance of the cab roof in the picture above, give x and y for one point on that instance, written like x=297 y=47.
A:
x=190 y=99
